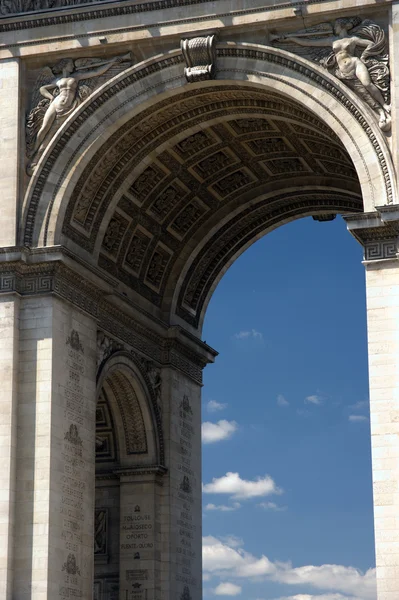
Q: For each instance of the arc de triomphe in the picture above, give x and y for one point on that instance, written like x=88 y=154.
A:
x=144 y=146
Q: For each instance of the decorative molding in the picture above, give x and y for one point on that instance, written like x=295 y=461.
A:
x=238 y=231
x=151 y=472
x=58 y=279
x=383 y=249
x=130 y=411
x=150 y=372
x=377 y=232
x=106 y=446
x=55 y=17
x=262 y=55
x=200 y=56
x=138 y=471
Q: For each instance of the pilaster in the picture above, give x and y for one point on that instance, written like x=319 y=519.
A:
x=378 y=233
x=394 y=68
x=9 y=342
x=55 y=452
x=182 y=502
x=140 y=534
x=10 y=119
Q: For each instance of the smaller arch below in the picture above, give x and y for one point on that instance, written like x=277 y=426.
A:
x=124 y=392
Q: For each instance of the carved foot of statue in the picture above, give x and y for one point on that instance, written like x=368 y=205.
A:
x=385 y=121
x=30 y=168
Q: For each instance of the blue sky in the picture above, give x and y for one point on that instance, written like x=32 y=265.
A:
x=286 y=453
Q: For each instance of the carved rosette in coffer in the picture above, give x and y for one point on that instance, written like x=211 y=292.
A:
x=200 y=56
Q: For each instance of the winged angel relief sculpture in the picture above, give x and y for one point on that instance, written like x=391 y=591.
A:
x=353 y=50
x=59 y=91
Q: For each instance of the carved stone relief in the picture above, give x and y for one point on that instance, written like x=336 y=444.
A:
x=73 y=340
x=200 y=56
x=105 y=347
x=100 y=532
x=131 y=413
x=353 y=50
x=8 y=7
x=378 y=235
x=58 y=91
x=186 y=594
x=70 y=566
x=105 y=433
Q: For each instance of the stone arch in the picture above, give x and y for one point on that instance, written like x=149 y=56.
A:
x=126 y=193
x=127 y=412
x=146 y=85
x=133 y=409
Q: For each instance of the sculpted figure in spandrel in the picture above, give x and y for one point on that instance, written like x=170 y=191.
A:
x=355 y=52
x=59 y=91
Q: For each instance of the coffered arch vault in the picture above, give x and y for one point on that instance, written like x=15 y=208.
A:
x=164 y=184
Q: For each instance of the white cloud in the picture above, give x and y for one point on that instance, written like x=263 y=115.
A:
x=221 y=558
x=238 y=488
x=247 y=334
x=271 y=506
x=223 y=507
x=336 y=582
x=232 y=540
x=359 y=405
x=215 y=432
x=214 y=406
x=319 y=597
x=357 y=418
x=227 y=589
x=281 y=401
x=314 y=399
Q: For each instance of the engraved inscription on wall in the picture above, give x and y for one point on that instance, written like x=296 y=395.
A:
x=185 y=523
x=137 y=544
x=73 y=477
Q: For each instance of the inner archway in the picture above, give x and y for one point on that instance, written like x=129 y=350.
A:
x=128 y=464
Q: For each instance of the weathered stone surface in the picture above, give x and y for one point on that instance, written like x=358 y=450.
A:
x=118 y=221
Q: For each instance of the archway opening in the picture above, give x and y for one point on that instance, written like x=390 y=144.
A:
x=287 y=498
x=127 y=450
x=186 y=185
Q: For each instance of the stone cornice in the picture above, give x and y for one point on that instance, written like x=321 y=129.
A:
x=24 y=273
x=377 y=232
x=89 y=11
x=132 y=474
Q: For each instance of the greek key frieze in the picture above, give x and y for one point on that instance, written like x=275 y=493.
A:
x=381 y=249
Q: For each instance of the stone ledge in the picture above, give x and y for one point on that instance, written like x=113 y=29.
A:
x=377 y=232
x=22 y=274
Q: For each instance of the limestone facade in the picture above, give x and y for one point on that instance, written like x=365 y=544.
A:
x=144 y=147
